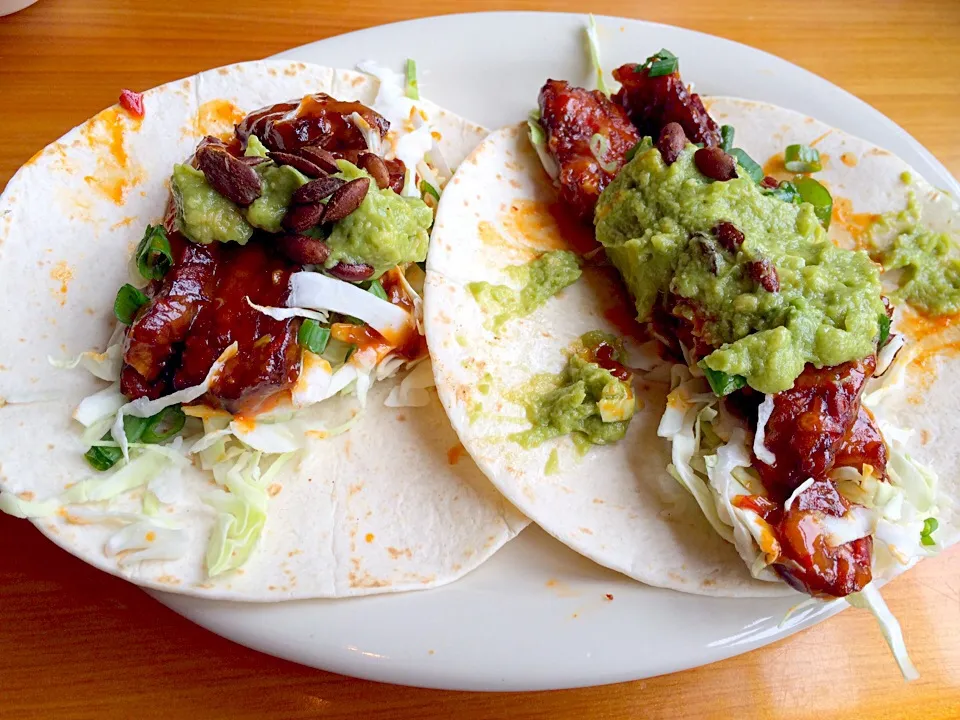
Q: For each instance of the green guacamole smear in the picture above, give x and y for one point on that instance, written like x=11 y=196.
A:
x=929 y=277
x=656 y=223
x=204 y=215
x=385 y=231
x=538 y=280
x=279 y=182
x=583 y=400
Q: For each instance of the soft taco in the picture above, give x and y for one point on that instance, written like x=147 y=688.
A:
x=241 y=249
x=739 y=382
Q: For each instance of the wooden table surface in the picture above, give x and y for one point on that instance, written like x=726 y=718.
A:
x=75 y=643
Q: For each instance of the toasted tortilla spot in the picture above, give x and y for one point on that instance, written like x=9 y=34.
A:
x=924 y=436
x=168 y=580
x=63 y=274
x=218 y=117
x=849 y=159
x=274 y=489
x=586 y=531
x=396 y=554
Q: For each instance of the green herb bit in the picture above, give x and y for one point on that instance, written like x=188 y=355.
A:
x=163 y=426
x=428 y=189
x=154 y=257
x=883 y=322
x=929 y=527
x=802 y=159
x=721 y=383
x=726 y=138
x=128 y=303
x=750 y=166
x=313 y=337
x=817 y=195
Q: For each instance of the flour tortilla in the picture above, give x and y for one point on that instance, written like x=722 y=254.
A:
x=379 y=509
x=617 y=505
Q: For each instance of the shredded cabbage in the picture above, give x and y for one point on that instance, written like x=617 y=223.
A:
x=870 y=599
x=285 y=313
x=539 y=141
x=412 y=390
x=412 y=148
x=142 y=407
x=319 y=292
x=102 y=404
x=593 y=50
x=105 y=365
x=759 y=446
x=370 y=135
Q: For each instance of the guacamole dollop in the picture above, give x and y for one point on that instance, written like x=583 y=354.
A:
x=279 y=182
x=538 y=280
x=583 y=400
x=929 y=268
x=204 y=215
x=385 y=231
x=656 y=224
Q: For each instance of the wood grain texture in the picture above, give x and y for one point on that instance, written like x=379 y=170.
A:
x=75 y=643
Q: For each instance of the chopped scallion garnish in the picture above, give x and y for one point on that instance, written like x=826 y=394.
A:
x=802 y=159
x=722 y=383
x=428 y=189
x=883 y=322
x=128 y=303
x=164 y=425
x=926 y=536
x=313 y=337
x=154 y=256
x=750 y=166
x=817 y=195
x=785 y=191
x=377 y=289
x=663 y=63
x=726 y=138
x=600 y=147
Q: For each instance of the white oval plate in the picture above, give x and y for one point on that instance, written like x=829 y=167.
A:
x=537 y=615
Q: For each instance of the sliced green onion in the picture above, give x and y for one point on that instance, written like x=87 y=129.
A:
x=338 y=352
x=428 y=189
x=154 y=256
x=377 y=289
x=929 y=526
x=645 y=144
x=750 y=166
x=103 y=458
x=128 y=303
x=720 y=382
x=726 y=138
x=817 y=195
x=802 y=159
x=785 y=191
x=164 y=425
x=600 y=146
x=663 y=63
x=313 y=337
x=884 y=324
x=411 y=88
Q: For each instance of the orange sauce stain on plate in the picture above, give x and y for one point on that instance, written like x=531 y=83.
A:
x=540 y=226
x=105 y=133
x=455 y=453
x=856 y=225
x=217 y=118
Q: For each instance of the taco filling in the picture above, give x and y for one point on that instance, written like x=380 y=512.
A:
x=775 y=332
x=284 y=273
